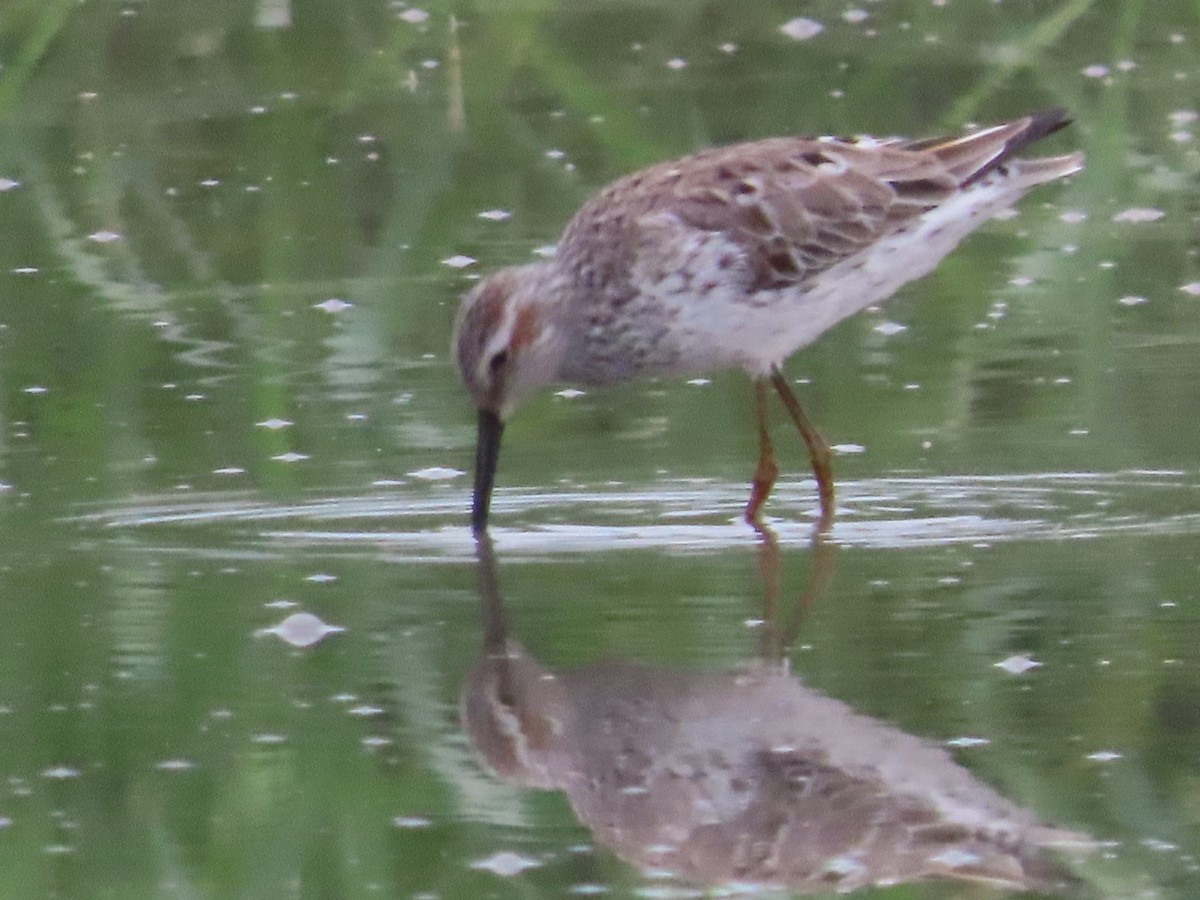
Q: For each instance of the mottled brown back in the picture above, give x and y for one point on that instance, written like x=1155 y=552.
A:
x=794 y=206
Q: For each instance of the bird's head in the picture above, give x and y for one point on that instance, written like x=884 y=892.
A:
x=505 y=347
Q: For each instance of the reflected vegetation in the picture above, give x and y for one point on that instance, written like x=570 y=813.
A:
x=745 y=777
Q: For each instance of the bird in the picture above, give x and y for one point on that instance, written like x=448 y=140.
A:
x=733 y=258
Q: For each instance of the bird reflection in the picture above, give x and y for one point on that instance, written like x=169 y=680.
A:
x=747 y=776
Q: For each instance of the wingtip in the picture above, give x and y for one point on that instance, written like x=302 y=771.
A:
x=1026 y=131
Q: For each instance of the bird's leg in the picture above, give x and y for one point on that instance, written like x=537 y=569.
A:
x=766 y=471
x=819 y=453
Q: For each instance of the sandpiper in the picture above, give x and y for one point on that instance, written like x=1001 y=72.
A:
x=734 y=257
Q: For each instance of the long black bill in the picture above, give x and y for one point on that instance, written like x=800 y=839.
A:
x=487 y=454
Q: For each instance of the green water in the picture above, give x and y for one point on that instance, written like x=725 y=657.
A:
x=196 y=442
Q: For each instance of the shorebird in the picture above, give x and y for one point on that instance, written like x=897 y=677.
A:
x=734 y=257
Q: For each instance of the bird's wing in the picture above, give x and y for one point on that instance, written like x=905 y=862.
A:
x=793 y=206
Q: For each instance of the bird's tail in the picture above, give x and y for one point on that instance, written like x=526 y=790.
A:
x=973 y=156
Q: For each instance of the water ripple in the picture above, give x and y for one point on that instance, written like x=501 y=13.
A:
x=894 y=512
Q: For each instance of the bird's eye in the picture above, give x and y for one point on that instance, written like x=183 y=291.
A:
x=498 y=361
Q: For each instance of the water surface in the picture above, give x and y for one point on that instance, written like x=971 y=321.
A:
x=232 y=239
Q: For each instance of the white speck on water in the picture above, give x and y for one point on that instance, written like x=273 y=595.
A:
x=366 y=711
x=175 y=765
x=60 y=773
x=35 y=389
x=281 y=603
x=301 y=629
x=333 y=305
x=967 y=742
x=290 y=457
x=848 y=449
x=677 y=63
x=546 y=251
x=1126 y=65
x=1139 y=214
x=1132 y=300
x=25 y=270
x=1159 y=846
x=411 y=822
x=413 y=16
x=321 y=578
x=801 y=29
x=430 y=63
x=1183 y=117
x=1021 y=281
x=267 y=738
x=8 y=184
x=699 y=382
x=728 y=49
x=459 y=261
x=387 y=482
x=210 y=182
x=569 y=393
x=1182 y=137
x=104 y=236
x=1192 y=288
x=854 y=16
x=230 y=470
x=1104 y=756
x=1073 y=216
x=495 y=215
x=1018 y=665
x=505 y=863
x=887 y=329
x=1079 y=432
x=435 y=473
x=1063 y=379
x=273 y=424
x=195 y=397
x=1095 y=71
x=555 y=153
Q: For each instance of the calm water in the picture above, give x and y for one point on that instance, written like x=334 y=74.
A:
x=249 y=649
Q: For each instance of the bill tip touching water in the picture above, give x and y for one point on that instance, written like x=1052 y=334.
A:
x=734 y=257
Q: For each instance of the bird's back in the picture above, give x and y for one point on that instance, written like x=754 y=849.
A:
x=737 y=256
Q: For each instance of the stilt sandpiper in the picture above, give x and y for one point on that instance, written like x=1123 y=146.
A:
x=734 y=257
